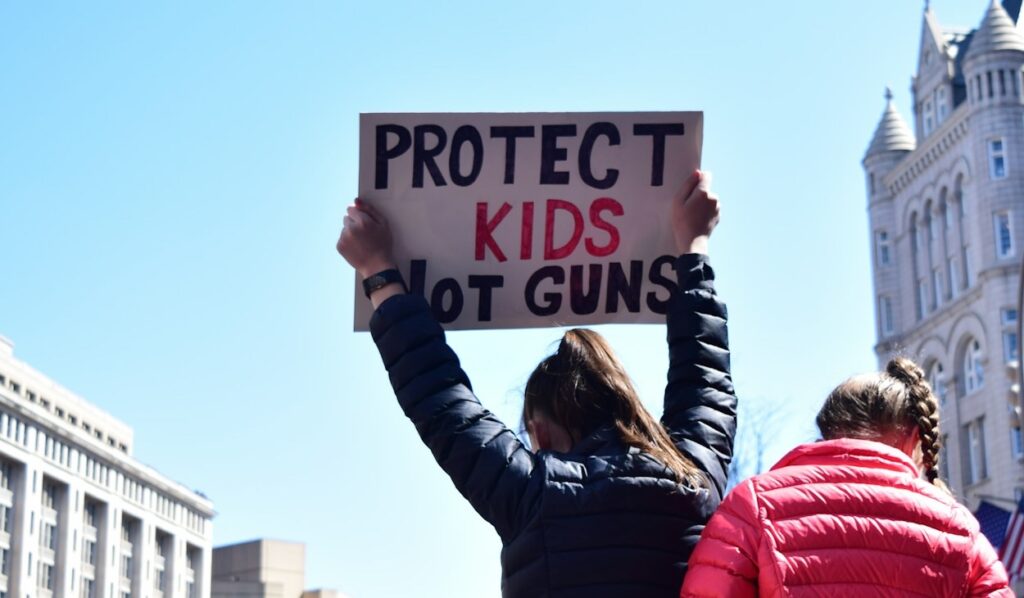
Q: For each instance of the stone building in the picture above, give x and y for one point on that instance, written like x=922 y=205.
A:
x=79 y=516
x=946 y=210
x=263 y=569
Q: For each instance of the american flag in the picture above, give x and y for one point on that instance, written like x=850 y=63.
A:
x=993 y=522
x=1011 y=552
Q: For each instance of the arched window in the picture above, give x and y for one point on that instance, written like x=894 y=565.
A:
x=958 y=194
x=965 y=263
x=929 y=221
x=946 y=261
x=973 y=370
x=944 y=211
x=937 y=380
x=917 y=283
x=915 y=239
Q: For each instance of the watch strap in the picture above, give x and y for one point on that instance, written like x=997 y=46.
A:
x=382 y=279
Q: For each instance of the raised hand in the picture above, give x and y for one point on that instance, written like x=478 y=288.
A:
x=365 y=240
x=695 y=213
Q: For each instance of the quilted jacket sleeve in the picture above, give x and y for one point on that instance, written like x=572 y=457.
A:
x=724 y=563
x=700 y=402
x=987 y=574
x=485 y=460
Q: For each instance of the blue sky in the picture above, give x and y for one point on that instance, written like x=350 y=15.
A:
x=173 y=177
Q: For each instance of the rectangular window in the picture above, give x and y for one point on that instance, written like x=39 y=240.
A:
x=90 y=513
x=941 y=102
x=5 y=557
x=126 y=566
x=944 y=457
x=937 y=285
x=922 y=298
x=968 y=271
x=1016 y=443
x=951 y=268
x=977 y=465
x=89 y=552
x=49 y=495
x=1009 y=345
x=46 y=576
x=5 y=519
x=1004 y=234
x=996 y=159
x=88 y=589
x=882 y=241
x=885 y=313
x=49 y=539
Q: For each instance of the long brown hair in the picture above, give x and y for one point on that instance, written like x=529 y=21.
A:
x=583 y=387
x=886 y=405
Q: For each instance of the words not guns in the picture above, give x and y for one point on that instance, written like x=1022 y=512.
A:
x=579 y=289
x=430 y=144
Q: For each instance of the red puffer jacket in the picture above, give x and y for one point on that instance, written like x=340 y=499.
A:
x=843 y=518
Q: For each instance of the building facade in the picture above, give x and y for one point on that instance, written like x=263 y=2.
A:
x=946 y=212
x=263 y=569
x=81 y=518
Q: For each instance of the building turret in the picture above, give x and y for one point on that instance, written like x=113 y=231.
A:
x=992 y=69
x=997 y=32
x=993 y=60
x=892 y=142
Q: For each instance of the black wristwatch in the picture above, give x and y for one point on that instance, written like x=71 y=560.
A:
x=382 y=279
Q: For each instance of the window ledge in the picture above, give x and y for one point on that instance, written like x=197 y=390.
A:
x=976 y=484
x=968 y=394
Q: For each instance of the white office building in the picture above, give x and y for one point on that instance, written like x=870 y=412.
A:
x=81 y=518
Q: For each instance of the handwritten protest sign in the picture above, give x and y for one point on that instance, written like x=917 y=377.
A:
x=515 y=220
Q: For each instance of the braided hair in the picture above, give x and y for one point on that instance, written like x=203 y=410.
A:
x=887 y=405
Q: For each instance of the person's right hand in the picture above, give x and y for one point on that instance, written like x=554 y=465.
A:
x=365 y=240
x=695 y=213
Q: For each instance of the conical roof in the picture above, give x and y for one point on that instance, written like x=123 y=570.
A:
x=997 y=32
x=892 y=134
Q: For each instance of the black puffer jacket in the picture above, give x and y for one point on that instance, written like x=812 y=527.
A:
x=604 y=520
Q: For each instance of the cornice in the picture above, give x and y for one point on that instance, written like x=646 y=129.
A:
x=919 y=161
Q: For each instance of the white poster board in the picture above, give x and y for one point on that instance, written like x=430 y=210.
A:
x=517 y=220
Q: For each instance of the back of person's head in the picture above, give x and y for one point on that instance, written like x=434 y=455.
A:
x=887 y=407
x=583 y=387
